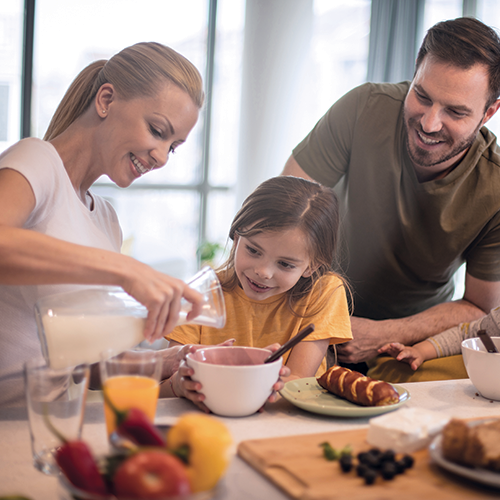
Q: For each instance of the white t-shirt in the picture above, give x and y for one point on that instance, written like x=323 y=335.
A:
x=58 y=213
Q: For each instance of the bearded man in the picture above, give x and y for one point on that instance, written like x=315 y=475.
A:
x=418 y=176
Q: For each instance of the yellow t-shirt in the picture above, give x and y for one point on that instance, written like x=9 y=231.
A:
x=261 y=323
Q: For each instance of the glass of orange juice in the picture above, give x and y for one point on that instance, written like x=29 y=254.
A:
x=131 y=379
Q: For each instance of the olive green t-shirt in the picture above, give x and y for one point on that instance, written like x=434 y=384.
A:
x=403 y=240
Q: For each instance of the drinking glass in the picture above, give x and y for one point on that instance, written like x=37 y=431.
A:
x=54 y=398
x=131 y=379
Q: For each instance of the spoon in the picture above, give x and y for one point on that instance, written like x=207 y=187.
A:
x=486 y=340
x=291 y=343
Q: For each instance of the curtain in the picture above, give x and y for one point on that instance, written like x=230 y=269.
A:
x=394 y=34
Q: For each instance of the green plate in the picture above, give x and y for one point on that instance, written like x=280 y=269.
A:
x=307 y=394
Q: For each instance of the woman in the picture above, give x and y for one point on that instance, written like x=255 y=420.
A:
x=121 y=118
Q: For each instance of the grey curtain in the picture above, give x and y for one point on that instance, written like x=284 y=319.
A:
x=395 y=36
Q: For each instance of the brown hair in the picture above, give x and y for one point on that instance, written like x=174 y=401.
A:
x=287 y=202
x=137 y=71
x=464 y=42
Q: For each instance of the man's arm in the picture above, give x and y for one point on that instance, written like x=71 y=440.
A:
x=479 y=298
x=293 y=168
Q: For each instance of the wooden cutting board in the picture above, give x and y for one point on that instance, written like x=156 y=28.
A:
x=297 y=466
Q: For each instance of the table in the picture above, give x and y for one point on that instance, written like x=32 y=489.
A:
x=456 y=398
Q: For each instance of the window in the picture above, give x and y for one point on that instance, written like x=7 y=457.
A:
x=489 y=12
x=166 y=214
x=11 y=31
x=159 y=213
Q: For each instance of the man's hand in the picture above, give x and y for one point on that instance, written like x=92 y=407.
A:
x=369 y=335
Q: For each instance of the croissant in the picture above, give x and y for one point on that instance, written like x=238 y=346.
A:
x=357 y=388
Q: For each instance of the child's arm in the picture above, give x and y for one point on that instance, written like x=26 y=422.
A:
x=413 y=355
x=305 y=358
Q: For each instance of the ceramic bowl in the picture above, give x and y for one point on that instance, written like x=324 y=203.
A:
x=235 y=380
x=483 y=367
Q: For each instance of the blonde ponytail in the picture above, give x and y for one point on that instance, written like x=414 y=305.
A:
x=137 y=71
x=76 y=100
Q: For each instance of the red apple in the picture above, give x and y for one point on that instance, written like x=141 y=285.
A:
x=151 y=474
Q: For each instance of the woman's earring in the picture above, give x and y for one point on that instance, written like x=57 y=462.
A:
x=103 y=111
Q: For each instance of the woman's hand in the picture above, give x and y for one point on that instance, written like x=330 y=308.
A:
x=161 y=295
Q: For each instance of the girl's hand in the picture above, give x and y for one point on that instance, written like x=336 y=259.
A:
x=186 y=387
x=173 y=356
x=182 y=383
x=284 y=372
x=407 y=354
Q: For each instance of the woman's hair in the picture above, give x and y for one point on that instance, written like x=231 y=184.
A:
x=464 y=42
x=137 y=71
x=283 y=203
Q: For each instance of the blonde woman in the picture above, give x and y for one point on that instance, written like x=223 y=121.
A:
x=120 y=118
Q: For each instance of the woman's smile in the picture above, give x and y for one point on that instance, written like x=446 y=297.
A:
x=139 y=167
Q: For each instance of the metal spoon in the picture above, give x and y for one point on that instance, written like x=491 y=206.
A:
x=291 y=343
x=486 y=340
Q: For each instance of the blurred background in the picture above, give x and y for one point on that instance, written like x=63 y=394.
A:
x=271 y=68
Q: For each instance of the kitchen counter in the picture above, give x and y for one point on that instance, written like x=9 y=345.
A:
x=456 y=398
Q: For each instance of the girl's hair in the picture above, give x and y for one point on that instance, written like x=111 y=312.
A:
x=137 y=71
x=283 y=203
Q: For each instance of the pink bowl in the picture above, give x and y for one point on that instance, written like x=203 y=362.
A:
x=235 y=380
x=231 y=356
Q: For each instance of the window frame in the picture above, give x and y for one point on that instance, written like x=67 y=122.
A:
x=204 y=188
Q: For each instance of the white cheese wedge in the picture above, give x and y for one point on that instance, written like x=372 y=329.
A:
x=405 y=430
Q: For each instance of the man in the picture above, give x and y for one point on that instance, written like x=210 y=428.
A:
x=419 y=182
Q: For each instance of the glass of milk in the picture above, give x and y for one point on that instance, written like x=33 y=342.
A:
x=75 y=327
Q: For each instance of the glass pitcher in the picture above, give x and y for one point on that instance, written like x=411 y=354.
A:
x=75 y=327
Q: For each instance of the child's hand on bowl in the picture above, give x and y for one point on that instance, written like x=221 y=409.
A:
x=188 y=388
x=284 y=372
x=172 y=357
x=180 y=379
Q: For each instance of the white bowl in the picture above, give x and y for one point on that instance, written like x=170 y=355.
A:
x=483 y=367
x=235 y=380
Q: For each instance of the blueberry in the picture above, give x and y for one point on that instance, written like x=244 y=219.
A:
x=400 y=466
x=369 y=476
x=388 y=470
x=388 y=456
x=361 y=469
x=372 y=460
x=375 y=452
x=346 y=463
x=407 y=461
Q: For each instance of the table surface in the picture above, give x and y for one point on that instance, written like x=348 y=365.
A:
x=457 y=398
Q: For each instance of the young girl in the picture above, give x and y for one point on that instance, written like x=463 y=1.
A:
x=447 y=343
x=278 y=277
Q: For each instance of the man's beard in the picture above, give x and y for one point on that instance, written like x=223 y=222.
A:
x=425 y=158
